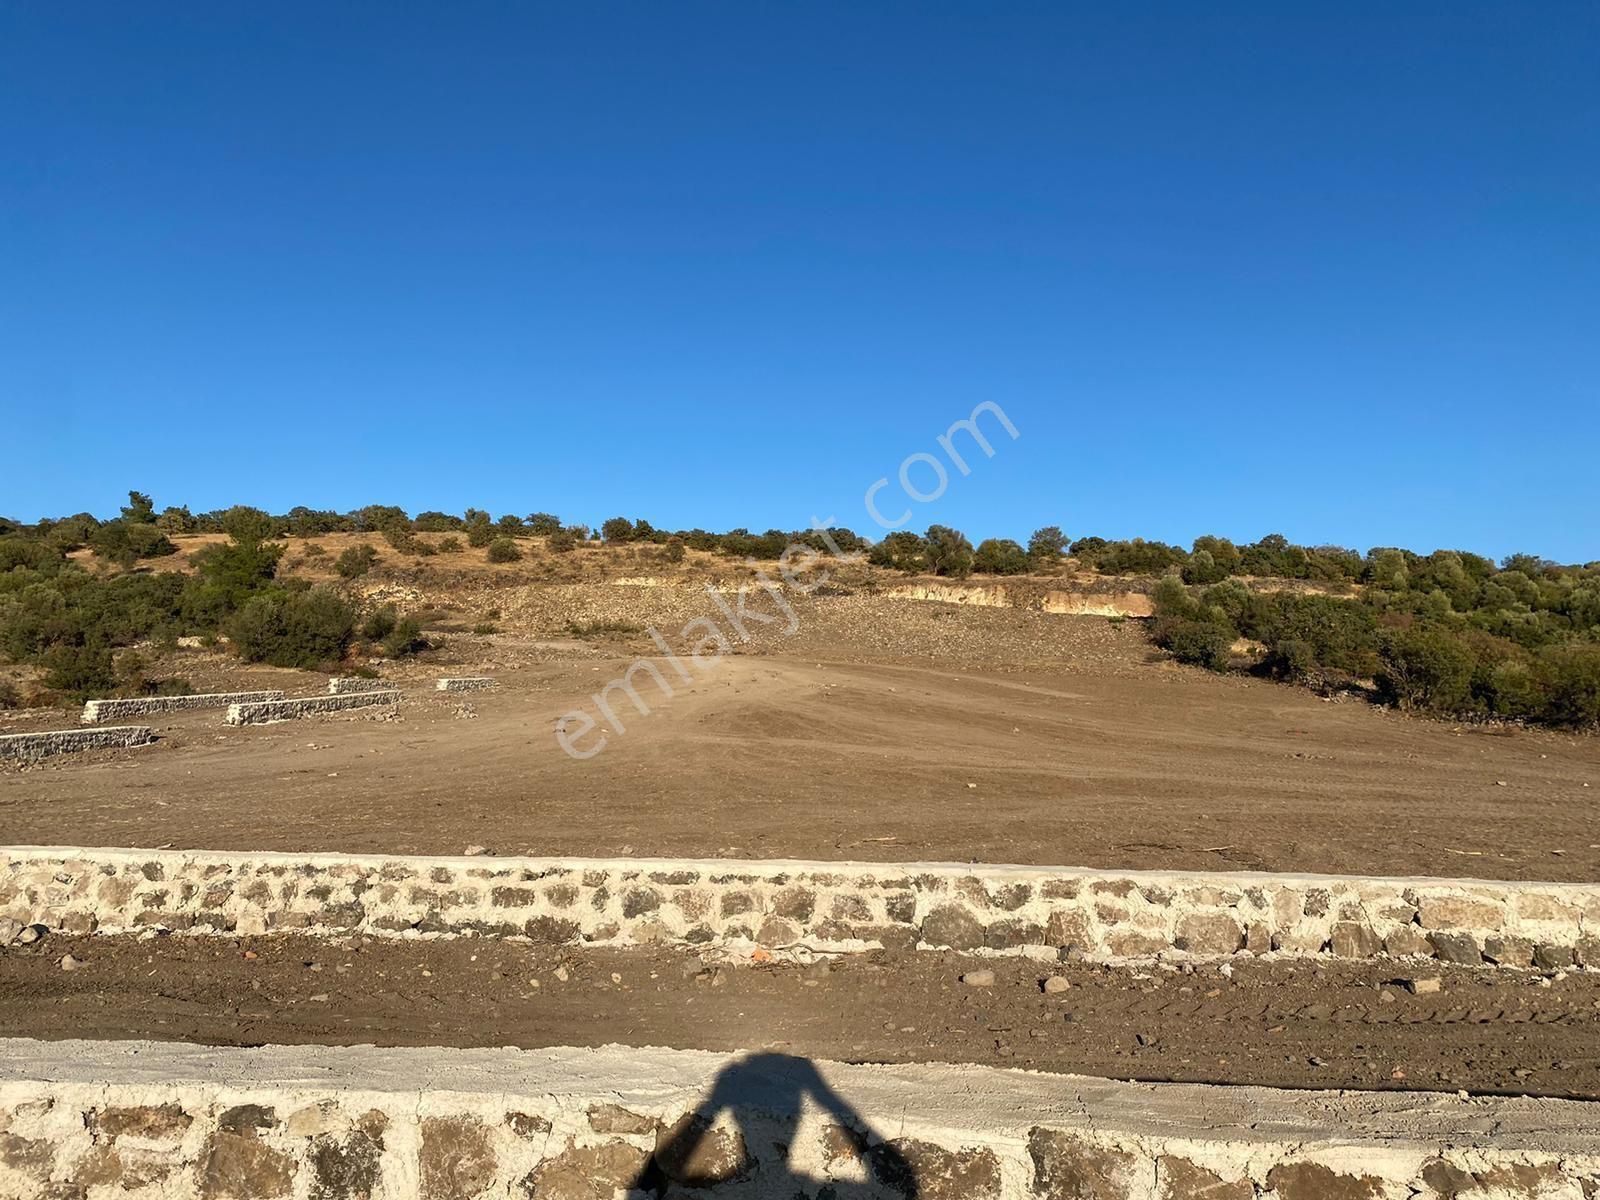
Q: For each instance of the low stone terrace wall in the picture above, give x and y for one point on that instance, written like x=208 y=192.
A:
x=165 y=1121
x=30 y=747
x=1043 y=911
x=95 y=711
x=264 y=712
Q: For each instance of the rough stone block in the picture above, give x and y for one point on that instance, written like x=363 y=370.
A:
x=1209 y=933
x=1459 y=914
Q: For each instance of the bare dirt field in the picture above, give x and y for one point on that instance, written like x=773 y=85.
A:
x=1334 y=1025
x=882 y=730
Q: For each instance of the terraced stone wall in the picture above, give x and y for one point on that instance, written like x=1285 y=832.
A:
x=266 y=711
x=30 y=747
x=95 y=711
x=1042 y=911
x=166 y=1121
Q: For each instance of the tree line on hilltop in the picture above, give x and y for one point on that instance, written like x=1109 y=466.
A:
x=1452 y=632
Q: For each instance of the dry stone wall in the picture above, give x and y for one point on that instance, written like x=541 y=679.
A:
x=1041 y=911
x=263 y=712
x=464 y=683
x=95 y=711
x=30 y=747
x=343 y=685
x=164 y=1121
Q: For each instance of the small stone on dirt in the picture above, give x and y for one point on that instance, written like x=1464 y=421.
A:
x=69 y=963
x=1421 y=987
x=1056 y=984
x=476 y=851
x=983 y=978
x=31 y=934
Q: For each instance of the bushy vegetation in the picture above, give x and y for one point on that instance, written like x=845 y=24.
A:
x=301 y=628
x=1449 y=634
x=1001 y=556
x=355 y=561
x=503 y=550
x=73 y=622
x=947 y=551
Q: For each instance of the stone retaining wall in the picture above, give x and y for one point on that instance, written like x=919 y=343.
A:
x=30 y=747
x=95 y=711
x=1042 y=911
x=346 y=684
x=87 y=1119
x=264 y=711
x=464 y=683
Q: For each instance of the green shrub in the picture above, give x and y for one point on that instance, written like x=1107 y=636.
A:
x=380 y=623
x=9 y=696
x=543 y=524
x=1046 y=545
x=355 y=561
x=1136 y=557
x=674 y=551
x=1340 y=636
x=1087 y=550
x=449 y=545
x=947 y=551
x=80 y=672
x=1574 y=675
x=1205 y=643
x=503 y=550
x=294 y=629
x=382 y=518
x=405 y=639
x=1426 y=668
x=1000 y=556
x=485 y=628
x=617 y=529
x=435 y=522
x=1171 y=599
x=1203 y=567
x=479 y=530
x=125 y=542
x=563 y=541
x=1293 y=659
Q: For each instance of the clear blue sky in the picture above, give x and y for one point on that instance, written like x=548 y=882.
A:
x=1327 y=270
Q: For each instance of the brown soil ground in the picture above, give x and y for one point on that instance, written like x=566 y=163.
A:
x=883 y=730
x=1337 y=1025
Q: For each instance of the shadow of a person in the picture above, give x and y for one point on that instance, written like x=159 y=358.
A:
x=766 y=1094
